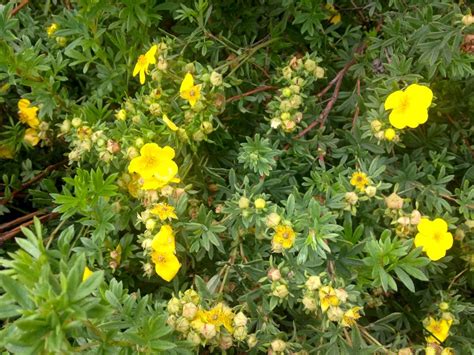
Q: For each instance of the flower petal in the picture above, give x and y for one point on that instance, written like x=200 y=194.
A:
x=167 y=265
x=150 y=149
x=136 y=69
x=446 y=241
x=187 y=84
x=167 y=153
x=420 y=95
x=398 y=118
x=142 y=76
x=434 y=252
x=421 y=240
x=394 y=100
x=424 y=226
x=416 y=116
x=440 y=225
x=150 y=55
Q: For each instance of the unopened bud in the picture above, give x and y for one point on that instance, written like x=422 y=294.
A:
x=189 y=310
x=309 y=303
x=278 y=345
x=370 y=191
x=260 y=203
x=351 y=198
x=274 y=274
x=281 y=291
x=376 y=125
x=313 y=283
x=272 y=220
x=216 y=78
x=319 y=73
x=394 y=201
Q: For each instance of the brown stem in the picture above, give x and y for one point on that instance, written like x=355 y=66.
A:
x=251 y=92
x=357 y=110
x=10 y=234
x=30 y=182
x=22 y=4
x=19 y=220
x=338 y=82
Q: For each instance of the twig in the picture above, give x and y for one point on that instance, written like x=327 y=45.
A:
x=337 y=81
x=370 y=338
x=9 y=235
x=22 y=4
x=251 y=92
x=21 y=219
x=30 y=182
x=457 y=277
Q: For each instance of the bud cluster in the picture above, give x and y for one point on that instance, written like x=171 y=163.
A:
x=321 y=297
x=219 y=326
x=298 y=76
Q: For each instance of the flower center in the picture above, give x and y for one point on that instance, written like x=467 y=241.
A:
x=149 y=162
x=161 y=259
x=437 y=236
x=404 y=103
x=192 y=93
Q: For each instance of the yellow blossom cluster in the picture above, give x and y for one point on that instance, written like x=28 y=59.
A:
x=331 y=301
x=217 y=326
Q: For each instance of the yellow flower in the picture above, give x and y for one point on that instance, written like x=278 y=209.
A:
x=31 y=136
x=51 y=29
x=409 y=107
x=219 y=315
x=144 y=62
x=434 y=237
x=335 y=16
x=164 y=211
x=284 y=236
x=189 y=91
x=167 y=265
x=350 y=317
x=27 y=114
x=438 y=328
x=169 y=123
x=327 y=297
x=155 y=166
x=6 y=152
x=359 y=180
x=389 y=134
x=87 y=273
x=164 y=241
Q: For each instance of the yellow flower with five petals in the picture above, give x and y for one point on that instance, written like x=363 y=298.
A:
x=439 y=329
x=359 y=180
x=189 y=91
x=434 y=237
x=164 y=211
x=143 y=62
x=327 y=297
x=409 y=107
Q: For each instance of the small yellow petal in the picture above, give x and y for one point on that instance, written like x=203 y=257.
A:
x=187 y=84
x=170 y=124
x=87 y=273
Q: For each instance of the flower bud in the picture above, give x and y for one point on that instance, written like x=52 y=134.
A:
x=310 y=65
x=274 y=274
x=208 y=331
x=189 y=310
x=132 y=152
x=252 y=341
x=76 y=122
x=286 y=92
x=319 y=73
x=121 y=115
x=309 y=303
x=162 y=64
x=415 y=217
x=313 y=283
x=240 y=320
x=281 y=291
x=444 y=306
x=341 y=294
x=146 y=244
x=150 y=224
x=447 y=316
x=216 y=78
x=296 y=101
x=194 y=338
x=272 y=220
x=285 y=116
x=191 y=296
x=244 y=202
x=207 y=127
x=61 y=41
x=182 y=325
x=174 y=306
x=370 y=191
x=287 y=73
x=240 y=333
x=394 y=201
x=260 y=203
x=376 y=125
x=112 y=146
x=467 y=20
x=278 y=345
x=275 y=122
x=379 y=135
x=148 y=269
x=155 y=109
x=351 y=198
x=199 y=136
x=389 y=134
x=65 y=126
x=171 y=321
x=335 y=314
x=289 y=126
x=285 y=106
x=225 y=342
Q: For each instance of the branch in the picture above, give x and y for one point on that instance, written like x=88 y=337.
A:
x=30 y=182
x=9 y=235
x=21 y=5
x=19 y=220
x=338 y=82
x=251 y=92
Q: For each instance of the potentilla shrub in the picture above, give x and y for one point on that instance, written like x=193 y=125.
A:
x=280 y=177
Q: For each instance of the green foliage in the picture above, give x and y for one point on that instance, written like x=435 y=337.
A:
x=265 y=215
